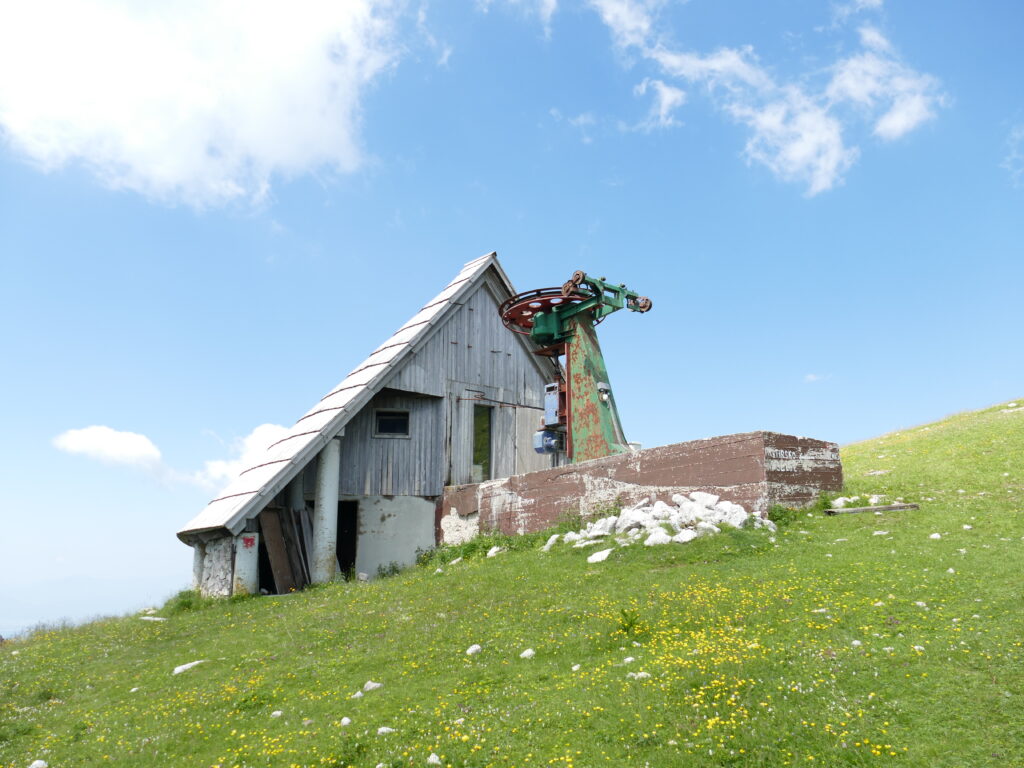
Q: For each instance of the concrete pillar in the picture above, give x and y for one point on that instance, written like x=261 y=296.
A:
x=246 y=580
x=324 y=561
x=294 y=497
x=198 y=554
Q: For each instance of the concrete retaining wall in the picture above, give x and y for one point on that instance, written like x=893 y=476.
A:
x=755 y=469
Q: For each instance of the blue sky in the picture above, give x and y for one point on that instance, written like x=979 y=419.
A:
x=211 y=212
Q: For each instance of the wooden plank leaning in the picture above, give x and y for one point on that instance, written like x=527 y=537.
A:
x=883 y=508
x=277 y=550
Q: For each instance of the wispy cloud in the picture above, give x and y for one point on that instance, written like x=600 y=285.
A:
x=544 y=10
x=582 y=122
x=667 y=99
x=113 y=446
x=1014 y=160
x=814 y=378
x=797 y=131
x=201 y=103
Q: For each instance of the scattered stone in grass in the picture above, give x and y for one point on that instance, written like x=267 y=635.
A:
x=383 y=730
x=362 y=576
x=880 y=533
x=372 y=686
x=878 y=604
x=888 y=649
x=918 y=648
x=433 y=759
x=133 y=690
x=473 y=650
x=638 y=675
x=950 y=570
x=628 y=660
x=550 y=543
x=968 y=527
x=456 y=561
x=346 y=721
x=438 y=571
x=599 y=557
x=307 y=722
x=178 y=670
x=152 y=618
x=935 y=536
x=920 y=604
x=856 y=643
x=839 y=540
x=356 y=695
x=15 y=653
x=878 y=472
x=460 y=721
x=494 y=551
x=39 y=764
x=575 y=667
x=529 y=653
x=658 y=536
x=276 y=713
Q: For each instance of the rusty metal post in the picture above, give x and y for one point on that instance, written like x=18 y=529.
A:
x=324 y=561
x=246 y=580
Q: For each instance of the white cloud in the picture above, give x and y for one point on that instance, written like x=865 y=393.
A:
x=814 y=378
x=195 y=102
x=116 y=447
x=667 y=99
x=844 y=10
x=247 y=452
x=796 y=139
x=797 y=131
x=542 y=9
x=876 y=81
x=630 y=21
x=1014 y=160
x=109 y=445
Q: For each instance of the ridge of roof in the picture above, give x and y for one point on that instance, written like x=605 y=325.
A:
x=284 y=459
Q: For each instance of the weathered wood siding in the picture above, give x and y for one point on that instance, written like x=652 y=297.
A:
x=472 y=359
x=395 y=466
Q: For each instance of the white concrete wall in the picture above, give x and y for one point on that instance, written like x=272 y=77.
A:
x=392 y=529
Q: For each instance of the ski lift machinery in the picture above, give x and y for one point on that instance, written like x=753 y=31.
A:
x=580 y=417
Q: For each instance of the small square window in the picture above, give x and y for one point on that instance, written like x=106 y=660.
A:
x=390 y=423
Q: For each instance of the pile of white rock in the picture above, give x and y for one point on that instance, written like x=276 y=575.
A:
x=699 y=514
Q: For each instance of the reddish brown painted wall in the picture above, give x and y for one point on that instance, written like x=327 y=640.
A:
x=756 y=469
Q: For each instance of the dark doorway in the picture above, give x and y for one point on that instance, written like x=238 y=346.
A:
x=348 y=532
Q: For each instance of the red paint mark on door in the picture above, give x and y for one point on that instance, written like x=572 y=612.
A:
x=248 y=542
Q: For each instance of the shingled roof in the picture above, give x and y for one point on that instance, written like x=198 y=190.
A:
x=286 y=458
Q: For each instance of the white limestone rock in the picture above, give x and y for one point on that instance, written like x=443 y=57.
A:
x=550 y=543
x=494 y=551
x=473 y=650
x=684 y=536
x=658 y=536
x=707 y=500
x=529 y=653
x=372 y=686
x=384 y=730
x=179 y=669
x=599 y=557
x=433 y=759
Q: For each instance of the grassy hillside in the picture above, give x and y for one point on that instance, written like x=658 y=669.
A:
x=849 y=640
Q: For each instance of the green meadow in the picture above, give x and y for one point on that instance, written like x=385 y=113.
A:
x=856 y=639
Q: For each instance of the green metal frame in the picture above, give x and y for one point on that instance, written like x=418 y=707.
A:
x=594 y=428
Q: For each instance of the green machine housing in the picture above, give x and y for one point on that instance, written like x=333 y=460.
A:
x=580 y=416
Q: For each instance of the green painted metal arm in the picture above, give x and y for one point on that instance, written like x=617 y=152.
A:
x=602 y=298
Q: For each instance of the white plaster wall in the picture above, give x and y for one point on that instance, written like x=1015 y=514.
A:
x=392 y=529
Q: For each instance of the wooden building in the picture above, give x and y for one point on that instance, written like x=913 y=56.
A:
x=356 y=484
